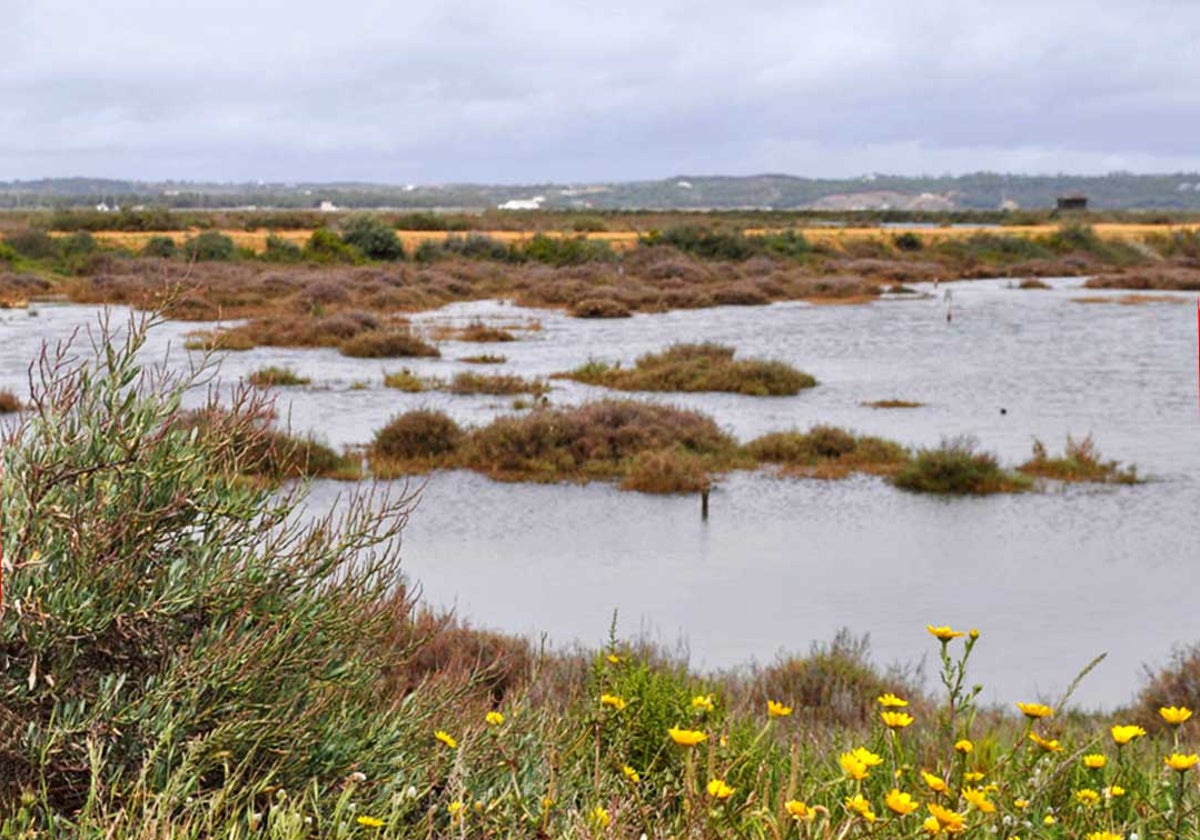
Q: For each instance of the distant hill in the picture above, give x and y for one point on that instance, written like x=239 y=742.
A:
x=979 y=191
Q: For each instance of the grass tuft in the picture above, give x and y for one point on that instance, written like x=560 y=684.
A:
x=276 y=377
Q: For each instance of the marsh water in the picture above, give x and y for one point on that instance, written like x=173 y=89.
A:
x=1051 y=579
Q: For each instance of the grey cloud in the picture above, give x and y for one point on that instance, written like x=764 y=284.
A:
x=571 y=91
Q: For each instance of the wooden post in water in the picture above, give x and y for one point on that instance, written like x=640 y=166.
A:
x=704 y=505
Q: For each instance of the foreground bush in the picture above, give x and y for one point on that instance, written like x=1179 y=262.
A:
x=697 y=367
x=173 y=634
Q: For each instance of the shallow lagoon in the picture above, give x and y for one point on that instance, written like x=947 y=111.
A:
x=1051 y=579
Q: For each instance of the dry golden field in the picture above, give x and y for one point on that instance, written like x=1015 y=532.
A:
x=256 y=240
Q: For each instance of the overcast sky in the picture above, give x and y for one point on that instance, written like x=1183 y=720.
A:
x=533 y=90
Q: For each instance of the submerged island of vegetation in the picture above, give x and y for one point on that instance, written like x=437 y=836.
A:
x=696 y=367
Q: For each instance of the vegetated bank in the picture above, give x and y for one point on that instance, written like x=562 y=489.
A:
x=687 y=261
x=181 y=654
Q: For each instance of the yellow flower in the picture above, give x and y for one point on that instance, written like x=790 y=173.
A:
x=977 y=798
x=1124 y=734
x=446 y=738
x=949 y=821
x=1022 y=804
x=547 y=803
x=1175 y=715
x=703 y=702
x=1182 y=763
x=861 y=806
x=1094 y=761
x=1035 y=710
x=686 y=737
x=1115 y=790
x=853 y=766
x=974 y=633
x=896 y=720
x=900 y=803
x=631 y=774
x=964 y=746
x=613 y=659
x=798 y=810
x=494 y=718
x=867 y=757
x=717 y=789
x=972 y=776
x=1049 y=745
x=600 y=817
x=931 y=825
x=944 y=634
x=935 y=783
x=890 y=701
x=1049 y=820
x=1103 y=835
x=777 y=709
x=369 y=822
x=613 y=701
x=1087 y=796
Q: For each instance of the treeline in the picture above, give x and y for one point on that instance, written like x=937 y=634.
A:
x=973 y=191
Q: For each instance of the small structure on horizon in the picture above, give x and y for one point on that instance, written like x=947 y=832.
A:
x=1075 y=201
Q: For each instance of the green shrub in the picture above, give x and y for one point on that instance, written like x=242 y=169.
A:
x=955 y=468
x=325 y=246
x=562 y=250
x=159 y=246
x=1080 y=462
x=210 y=245
x=282 y=250
x=373 y=238
x=32 y=243
x=193 y=638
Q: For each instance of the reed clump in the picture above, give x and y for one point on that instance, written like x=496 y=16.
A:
x=485 y=359
x=957 y=468
x=405 y=380
x=1080 y=462
x=469 y=382
x=697 y=367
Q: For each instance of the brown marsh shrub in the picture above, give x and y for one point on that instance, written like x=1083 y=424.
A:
x=417 y=434
x=697 y=367
x=667 y=471
x=387 y=344
x=594 y=440
x=600 y=308
x=9 y=402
